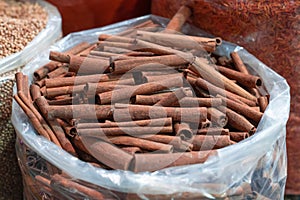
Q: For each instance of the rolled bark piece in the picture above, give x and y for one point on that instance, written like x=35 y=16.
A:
x=150 y=99
x=147 y=122
x=242 y=109
x=179 y=18
x=141 y=143
x=115 y=38
x=126 y=52
x=65 y=101
x=146 y=88
x=213 y=76
x=19 y=81
x=82 y=65
x=35 y=92
x=175 y=141
x=60 y=134
x=184 y=131
x=25 y=90
x=59 y=181
x=107 y=153
x=180 y=41
x=43 y=71
x=132 y=150
x=41 y=82
x=208 y=142
x=238 y=136
x=124 y=45
x=111 y=56
x=148 y=79
x=214 y=90
x=205 y=124
x=263 y=103
x=34 y=120
x=247 y=80
x=217 y=117
x=123 y=66
x=69 y=129
x=40 y=118
x=238 y=63
x=58 y=91
x=60 y=70
x=172 y=98
x=213 y=131
x=153 y=162
x=84 y=111
x=237 y=121
x=95 y=88
x=137 y=112
x=80 y=80
x=117 y=131
x=200 y=102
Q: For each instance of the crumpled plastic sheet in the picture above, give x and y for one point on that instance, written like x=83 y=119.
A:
x=259 y=160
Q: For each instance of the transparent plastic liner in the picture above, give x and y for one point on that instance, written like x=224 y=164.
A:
x=259 y=160
x=51 y=33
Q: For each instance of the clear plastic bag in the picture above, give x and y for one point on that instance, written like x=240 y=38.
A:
x=259 y=162
x=51 y=33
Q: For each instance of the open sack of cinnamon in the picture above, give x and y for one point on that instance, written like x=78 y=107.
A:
x=142 y=109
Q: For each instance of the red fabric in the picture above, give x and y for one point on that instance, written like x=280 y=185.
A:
x=80 y=14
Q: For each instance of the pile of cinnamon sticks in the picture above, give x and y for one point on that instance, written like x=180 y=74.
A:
x=143 y=100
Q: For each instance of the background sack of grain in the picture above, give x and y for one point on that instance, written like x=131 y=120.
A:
x=270 y=30
x=11 y=179
x=264 y=169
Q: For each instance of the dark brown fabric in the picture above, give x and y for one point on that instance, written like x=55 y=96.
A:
x=80 y=14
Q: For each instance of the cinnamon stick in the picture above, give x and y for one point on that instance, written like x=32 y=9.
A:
x=146 y=88
x=213 y=131
x=173 y=97
x=208 y=142
x=39 y=117
x=143 y=144
x=179 y=18
x=117 y=131
x=200 y=102
x=263 y=103
x=123 y=66
x=214 y=90
x=59 y=181
x=35 y=122
x=217 y=117
x=82 y=65
x=137 y=112
x=153 y=162
x=80 y=80
x=247 y=80
x=108 y=154
x=58 y=91
x=35 y=92
x=180 y=41
x=242 y=109
x=175 y=141
x=160 y=122
x=183 y=130
x=237 y=121
x=238 y=136
x=84 y=111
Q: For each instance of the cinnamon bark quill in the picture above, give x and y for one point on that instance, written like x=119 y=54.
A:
x=179 y=18
x=43 y=71
x=80 y=64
